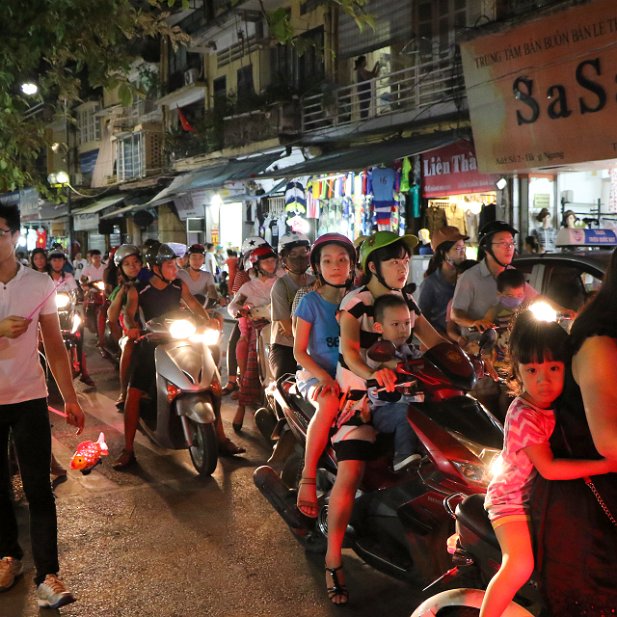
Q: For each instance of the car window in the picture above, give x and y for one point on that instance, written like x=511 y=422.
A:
x=569 y=285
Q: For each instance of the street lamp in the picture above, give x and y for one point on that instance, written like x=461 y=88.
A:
x=61 y=180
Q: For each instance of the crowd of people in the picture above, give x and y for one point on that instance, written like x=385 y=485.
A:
x=323 y=305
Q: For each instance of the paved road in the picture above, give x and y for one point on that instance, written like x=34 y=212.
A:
x=160 y=542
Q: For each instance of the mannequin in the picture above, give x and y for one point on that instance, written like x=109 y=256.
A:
x=425 y=242
x=569 y=219
x=545 y=233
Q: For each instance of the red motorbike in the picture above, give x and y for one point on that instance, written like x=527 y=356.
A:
x=399 y=524
x=95 y=309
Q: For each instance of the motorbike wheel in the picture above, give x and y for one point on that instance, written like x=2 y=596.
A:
x=292 y=470
x=204 y=449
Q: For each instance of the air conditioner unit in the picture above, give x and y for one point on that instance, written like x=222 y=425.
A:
x=191 y=76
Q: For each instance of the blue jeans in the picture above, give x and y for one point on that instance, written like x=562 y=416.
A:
x=392 y=418
x=29 y=424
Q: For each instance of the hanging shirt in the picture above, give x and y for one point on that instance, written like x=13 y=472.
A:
x=405 y=171
x=382 y=180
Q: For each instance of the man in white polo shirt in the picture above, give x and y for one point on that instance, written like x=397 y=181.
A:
x=94 y=270
x=27 y=301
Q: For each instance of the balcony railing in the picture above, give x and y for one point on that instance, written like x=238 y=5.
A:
x=416 y=88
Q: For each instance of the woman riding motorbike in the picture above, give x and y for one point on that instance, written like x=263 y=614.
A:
x=162 y=293
x=66 y=282
x=199 y=282
x=384 y=258
x=251 y=305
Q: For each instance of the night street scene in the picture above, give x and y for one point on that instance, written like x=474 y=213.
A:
x=307 y=307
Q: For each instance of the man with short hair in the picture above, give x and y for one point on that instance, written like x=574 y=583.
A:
x=27 y=304
x=476 y=288
x=210 y=260
x=95 y=268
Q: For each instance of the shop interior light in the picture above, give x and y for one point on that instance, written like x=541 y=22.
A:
x=501 y=184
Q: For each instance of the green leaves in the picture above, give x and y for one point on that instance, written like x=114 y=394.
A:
x=70 y=48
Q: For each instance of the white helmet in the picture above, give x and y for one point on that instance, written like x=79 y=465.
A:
x=250 y=243
x=292 y=240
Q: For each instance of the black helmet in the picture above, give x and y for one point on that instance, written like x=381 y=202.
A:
x=157 y=254
x=492 y=228
x=150 y=250
x=124 y=251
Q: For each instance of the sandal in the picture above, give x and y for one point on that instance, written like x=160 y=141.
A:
x=309 y=508
x=229 y=448
x=232 y=386
x=337 y=589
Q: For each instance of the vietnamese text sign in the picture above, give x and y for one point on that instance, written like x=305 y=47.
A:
x=453 y=170
x=543 y=93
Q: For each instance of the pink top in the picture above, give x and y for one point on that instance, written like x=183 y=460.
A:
x=526 y=425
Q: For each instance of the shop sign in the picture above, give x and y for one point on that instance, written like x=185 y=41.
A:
x=586 y=237
x=58 y=229
x=544 y=93
x=86 y=222
x=190 y=205
x=453 y=170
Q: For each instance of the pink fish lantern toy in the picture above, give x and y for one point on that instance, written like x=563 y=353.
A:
x=88 y=455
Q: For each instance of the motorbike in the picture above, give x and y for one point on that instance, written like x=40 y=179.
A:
x=95 y=309
x=181 y=409
x=398 y=525
x=476 y=557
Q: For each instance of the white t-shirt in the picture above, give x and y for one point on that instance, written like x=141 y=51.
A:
x=93 y=273
x=21 y=373
x=66 y=283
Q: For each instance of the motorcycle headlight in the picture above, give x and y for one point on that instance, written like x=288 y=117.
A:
x=62 y=300
x=76 y=323
x=181 y=328
x=211 y=336
x=100 y=285
x=472 y=472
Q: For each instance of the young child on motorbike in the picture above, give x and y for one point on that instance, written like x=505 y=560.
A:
x=538 y=353
x=316 y=345
x=129 y=263
x=389 y=409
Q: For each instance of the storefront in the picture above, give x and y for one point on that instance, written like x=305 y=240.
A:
x=542 y=105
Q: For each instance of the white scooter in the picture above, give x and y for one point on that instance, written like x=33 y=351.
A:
x=181 y=409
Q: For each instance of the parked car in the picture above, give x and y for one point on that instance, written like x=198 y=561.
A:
x=571 y=275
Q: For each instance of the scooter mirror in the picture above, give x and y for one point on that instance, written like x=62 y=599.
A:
x=381 y=351
x=488 y=340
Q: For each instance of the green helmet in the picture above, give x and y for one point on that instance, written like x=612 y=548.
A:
x=379 y=240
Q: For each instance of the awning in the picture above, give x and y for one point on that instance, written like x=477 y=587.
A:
x=87 y=219
x=215 y=176
x=101 y=204
x=360 y=157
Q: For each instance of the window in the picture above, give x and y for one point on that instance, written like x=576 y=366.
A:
x=570 y=286
x=299 y=72
x=131 y=159
x=88 y=124
x=245 y=82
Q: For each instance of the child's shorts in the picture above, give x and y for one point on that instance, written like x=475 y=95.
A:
x=502 y=513
x=354 y=443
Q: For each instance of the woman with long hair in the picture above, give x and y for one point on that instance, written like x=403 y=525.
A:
x=575 y=520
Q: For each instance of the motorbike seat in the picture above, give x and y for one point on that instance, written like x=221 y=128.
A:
x=299 y=402
x=471 y=514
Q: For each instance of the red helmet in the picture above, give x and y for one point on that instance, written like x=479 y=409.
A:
x=261 y=252
x=332 y=238
x=200 y=249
